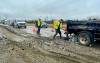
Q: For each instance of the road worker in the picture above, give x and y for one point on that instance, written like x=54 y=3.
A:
x=57 y=26
x=38 y=25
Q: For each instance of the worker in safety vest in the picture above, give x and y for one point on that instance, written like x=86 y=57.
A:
x=38 y=25
x=57 y=26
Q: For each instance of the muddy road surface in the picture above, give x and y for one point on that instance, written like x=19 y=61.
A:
x=20 y=47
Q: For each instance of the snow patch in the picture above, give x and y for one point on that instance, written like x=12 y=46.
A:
x=45 y=32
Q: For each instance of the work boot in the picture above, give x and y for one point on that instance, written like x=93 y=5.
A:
x=54 y=37
x=60 y=37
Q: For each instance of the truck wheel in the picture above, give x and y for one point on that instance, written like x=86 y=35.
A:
x=17 y=26
x=25 y=27
x=84 y=38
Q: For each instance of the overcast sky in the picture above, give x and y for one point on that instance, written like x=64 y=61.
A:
x=43 y=8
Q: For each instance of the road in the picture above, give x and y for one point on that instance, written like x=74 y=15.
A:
x=33 y=49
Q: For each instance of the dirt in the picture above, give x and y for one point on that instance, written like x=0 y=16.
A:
x=18 y=48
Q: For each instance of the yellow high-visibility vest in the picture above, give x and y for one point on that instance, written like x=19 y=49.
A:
x=57 y=24
x=39 y=23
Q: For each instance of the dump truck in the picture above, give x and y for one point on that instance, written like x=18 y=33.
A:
x=86 y=32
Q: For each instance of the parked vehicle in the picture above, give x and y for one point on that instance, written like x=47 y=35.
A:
x=4 y=21
x=19 y=24
x=44 y=25
x=85 y=32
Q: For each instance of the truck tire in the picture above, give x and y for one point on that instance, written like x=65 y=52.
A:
x=84 y=38
x=25 y=27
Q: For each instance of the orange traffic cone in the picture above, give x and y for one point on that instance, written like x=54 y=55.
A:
x=53 y=30
x=34 y=29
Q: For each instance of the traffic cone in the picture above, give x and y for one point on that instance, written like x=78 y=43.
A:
x=34 y=29
x=53 y=30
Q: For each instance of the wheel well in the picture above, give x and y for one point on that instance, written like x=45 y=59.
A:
x=84 y=32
